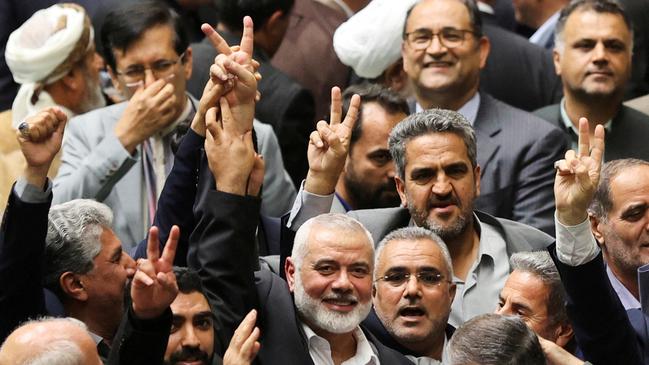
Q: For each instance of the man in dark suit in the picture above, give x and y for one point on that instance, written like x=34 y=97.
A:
x=593 y=58
x=329 y=274
x=438 y=181
x=284 y=104
x=609 y=205
x=443 y=51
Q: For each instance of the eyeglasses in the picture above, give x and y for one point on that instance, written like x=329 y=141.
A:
x=448 y=37
x=428 y=278
x=161 y=68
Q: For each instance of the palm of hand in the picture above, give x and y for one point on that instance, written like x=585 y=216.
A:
x=321 y=158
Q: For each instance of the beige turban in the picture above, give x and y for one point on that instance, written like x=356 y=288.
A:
x=370 y=41
x=44 y=49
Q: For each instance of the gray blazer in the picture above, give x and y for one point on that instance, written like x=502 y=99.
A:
x=95 y=165
x=626 y=139
x=516 y=153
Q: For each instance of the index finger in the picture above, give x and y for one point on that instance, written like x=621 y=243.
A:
x=336 y=106
x=584 y=138
x=153 y=245
x=217 y=41
x=247 y=38
x=169 y=252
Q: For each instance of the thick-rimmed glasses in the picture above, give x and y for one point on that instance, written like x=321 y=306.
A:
x=428 y=278
x=421 y=39
x=135 y=74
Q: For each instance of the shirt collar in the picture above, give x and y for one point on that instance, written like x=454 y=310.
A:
x=425 y=360
x=486 y=8
x=469 y=110
x=365 y=352
x=95 y=338
x=545 y=31
x=574 y=132
x=627 y=299
x=189 y=107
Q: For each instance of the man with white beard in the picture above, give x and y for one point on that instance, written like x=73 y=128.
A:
x=52 y=56
x=315 y=319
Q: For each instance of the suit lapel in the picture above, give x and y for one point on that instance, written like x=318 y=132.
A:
x=487 y=126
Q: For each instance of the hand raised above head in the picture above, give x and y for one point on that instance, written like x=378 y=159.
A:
x=40 y=137
x=230 y=154
x=154 y=285
x=578 y=175
x=329 y=145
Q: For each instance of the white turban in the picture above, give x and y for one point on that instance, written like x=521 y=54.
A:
x=40 y=52
x=370 y=41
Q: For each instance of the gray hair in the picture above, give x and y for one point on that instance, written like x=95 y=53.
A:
x=493 y=339
x=414 y=234
x=60 y=351
x=540 y=265
x=330 y=221
x=426 y=122
x=73 y=239
x=602 y=202
x=598 y=6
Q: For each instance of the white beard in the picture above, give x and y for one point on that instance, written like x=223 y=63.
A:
x=324 y=318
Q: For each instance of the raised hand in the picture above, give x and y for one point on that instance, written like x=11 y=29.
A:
x=150 y=109
x=235 y=69
x=578 y=175
x=329 y=145
x=244 y=345
x=40 y=140
x=230 y=155
x=154 y=285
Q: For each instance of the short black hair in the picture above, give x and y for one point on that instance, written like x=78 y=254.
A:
x=388 y=99
x=474 y=17
x=598 y=6
x=125 y=25
x=231 y=12
x=188 y=280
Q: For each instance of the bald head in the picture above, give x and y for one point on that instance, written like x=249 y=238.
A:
x=53 y=341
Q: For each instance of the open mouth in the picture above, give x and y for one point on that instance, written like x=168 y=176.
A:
x=411 y=312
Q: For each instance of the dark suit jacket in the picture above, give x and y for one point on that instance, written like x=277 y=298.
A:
x=316 y=68
x=516 y=152
x=284 y=104
x=627 y=138
x=601 y=325
x=518 y=72
x=22 y=242
x=222 y=250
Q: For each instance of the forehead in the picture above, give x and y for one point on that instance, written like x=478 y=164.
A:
x=188 y=304
x=589 y=24
x=109 y=242
x=343 y=246
x=437 y=14
x=630 y=186
x=155 y=43
x=412 y=254
x=377 y=122
x=526 y=285
x=432 y=148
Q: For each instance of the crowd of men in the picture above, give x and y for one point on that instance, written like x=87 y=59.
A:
x=325 y=182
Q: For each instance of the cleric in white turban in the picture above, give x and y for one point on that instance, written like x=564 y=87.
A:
x=53 y=44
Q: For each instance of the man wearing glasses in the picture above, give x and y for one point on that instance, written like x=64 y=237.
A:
x=412 y=294
x=122 y=154
x=443 y=52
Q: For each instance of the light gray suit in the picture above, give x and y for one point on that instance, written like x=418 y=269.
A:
x=95 y=165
